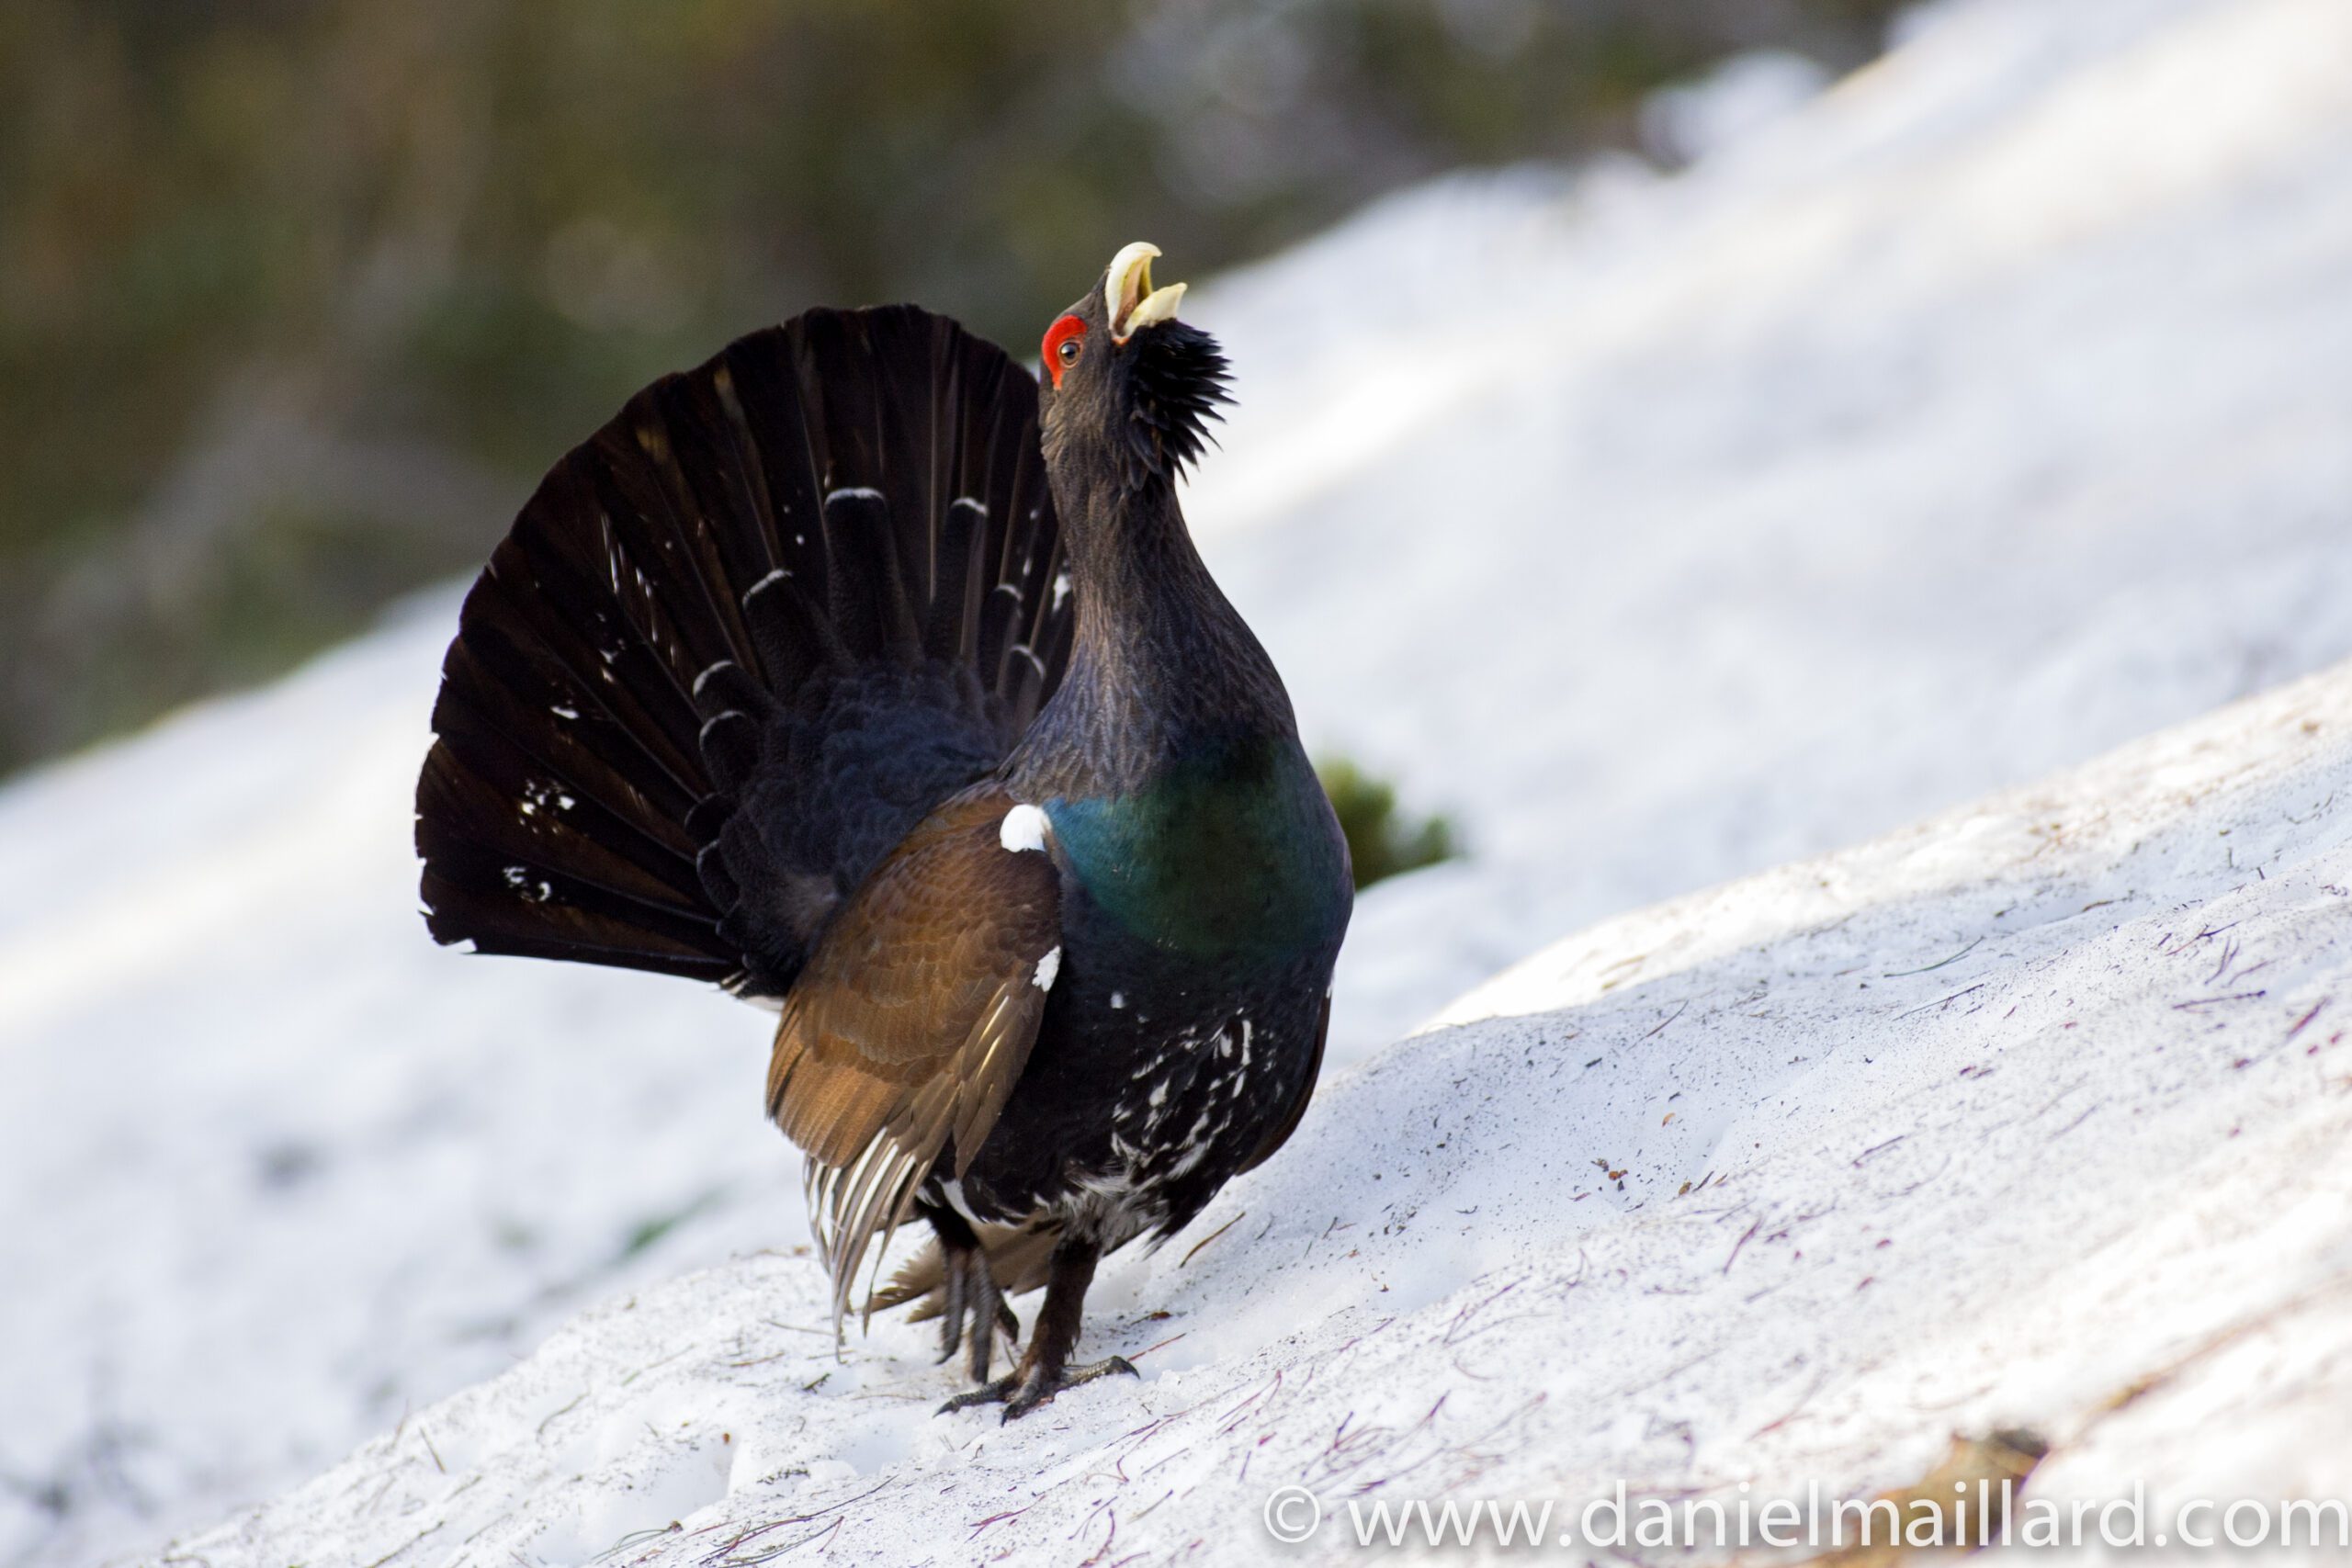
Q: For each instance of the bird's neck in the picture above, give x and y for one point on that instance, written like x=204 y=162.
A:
x=1162 y=666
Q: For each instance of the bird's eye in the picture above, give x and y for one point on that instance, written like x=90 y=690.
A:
x=1065 y=341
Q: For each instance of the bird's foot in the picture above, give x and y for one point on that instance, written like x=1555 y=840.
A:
x=1021 y=1391
x=974 y=1312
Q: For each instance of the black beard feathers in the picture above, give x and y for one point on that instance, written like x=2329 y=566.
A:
x=1174 y=384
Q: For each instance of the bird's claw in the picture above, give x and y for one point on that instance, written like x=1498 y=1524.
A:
x=1020 y=1393
x=999 y=1391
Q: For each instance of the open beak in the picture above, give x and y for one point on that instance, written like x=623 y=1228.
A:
x=1128 y=296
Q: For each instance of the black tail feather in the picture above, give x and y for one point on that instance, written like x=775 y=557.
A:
x=737 y=643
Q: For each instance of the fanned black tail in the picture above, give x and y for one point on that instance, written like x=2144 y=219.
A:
x=737 y=644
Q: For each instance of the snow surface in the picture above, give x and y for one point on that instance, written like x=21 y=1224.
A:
x=1987 y=1123
x=1981 y=415
x=1990 y=411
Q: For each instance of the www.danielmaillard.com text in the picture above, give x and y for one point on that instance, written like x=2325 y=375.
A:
x=1978 y=1514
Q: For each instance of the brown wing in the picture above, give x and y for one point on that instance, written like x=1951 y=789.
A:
x=913 y=1020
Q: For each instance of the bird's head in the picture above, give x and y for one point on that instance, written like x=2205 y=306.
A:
x=1127 y=387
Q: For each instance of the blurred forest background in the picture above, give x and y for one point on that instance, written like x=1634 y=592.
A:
x=298 y=297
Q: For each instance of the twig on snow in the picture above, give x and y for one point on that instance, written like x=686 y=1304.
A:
x=1754 y=1225
x=1898 y=974
x=1210 y=1237
x=1925 y=1007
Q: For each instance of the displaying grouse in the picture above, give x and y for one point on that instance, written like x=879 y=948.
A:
x=860 y=670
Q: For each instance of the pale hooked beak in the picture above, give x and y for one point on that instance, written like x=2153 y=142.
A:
x=1128 y=296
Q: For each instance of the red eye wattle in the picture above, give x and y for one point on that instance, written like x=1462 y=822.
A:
x=1065 y=340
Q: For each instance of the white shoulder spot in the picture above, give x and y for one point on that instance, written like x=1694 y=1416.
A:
x=1047 y=967
x=1023 y=828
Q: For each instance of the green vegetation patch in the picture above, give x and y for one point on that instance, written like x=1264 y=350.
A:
x=1381 y=841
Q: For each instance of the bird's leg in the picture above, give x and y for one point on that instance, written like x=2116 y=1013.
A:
x=972 y=1309
x=1044 y=1368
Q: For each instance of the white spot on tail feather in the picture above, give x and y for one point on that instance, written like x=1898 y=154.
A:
x=1047 y=967
x=538 y=794
x=853 y=492
x=529 y=889
x=975 y=502
x=1061 y=589
x=1023 y=828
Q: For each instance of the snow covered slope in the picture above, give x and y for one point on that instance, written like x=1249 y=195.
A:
x=1985 y=1124
x=1989 y=413
x=1986 y=413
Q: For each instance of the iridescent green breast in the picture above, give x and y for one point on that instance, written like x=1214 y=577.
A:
x=1233 y=853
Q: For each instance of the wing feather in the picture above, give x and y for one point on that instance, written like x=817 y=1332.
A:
x=902 y=1039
